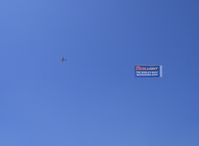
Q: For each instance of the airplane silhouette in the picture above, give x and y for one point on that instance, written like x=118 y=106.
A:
x=63 y=60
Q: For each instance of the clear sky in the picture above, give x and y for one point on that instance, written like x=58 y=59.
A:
x=94 y=99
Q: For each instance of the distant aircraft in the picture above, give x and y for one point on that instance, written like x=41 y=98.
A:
x=63 y=60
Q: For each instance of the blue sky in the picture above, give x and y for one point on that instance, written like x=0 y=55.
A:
x=94 y=98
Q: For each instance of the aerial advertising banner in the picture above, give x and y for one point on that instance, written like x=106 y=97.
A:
x=148 y=70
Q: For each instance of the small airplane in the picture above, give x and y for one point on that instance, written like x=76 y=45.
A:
x=63 y=60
